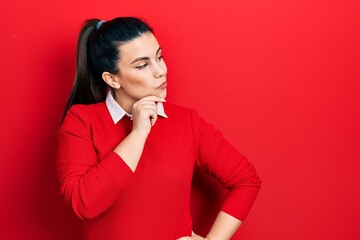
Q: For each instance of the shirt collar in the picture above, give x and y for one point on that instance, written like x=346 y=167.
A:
x=117 y=113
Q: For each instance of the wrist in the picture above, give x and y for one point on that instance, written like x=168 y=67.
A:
x=138 y=134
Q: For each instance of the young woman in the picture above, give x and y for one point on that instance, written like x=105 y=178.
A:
x=126 y=156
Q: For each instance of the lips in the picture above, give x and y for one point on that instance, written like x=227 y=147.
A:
x=163 y=85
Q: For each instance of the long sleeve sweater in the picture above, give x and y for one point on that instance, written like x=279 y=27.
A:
x=152 y=202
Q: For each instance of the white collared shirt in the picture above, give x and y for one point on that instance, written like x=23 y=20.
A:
x=117 y=113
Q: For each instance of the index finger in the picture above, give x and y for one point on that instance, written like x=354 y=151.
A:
x=153 y=98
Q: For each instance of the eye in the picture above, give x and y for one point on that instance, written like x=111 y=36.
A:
x=142 y=66
x=160 y=57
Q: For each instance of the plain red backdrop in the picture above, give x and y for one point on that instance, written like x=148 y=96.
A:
x=280 y=79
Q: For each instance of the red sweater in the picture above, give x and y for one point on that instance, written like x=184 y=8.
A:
x=152 y=202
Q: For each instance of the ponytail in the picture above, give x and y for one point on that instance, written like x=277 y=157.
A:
x=98 y=51
x=86 y=89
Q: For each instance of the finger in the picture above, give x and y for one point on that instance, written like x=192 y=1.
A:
x=149 y=113
x=184 y=238
x=145 y=111
x=153 y=98
x=140 y=105
x=195 y=236
x=143 y=100
x=153 y=119
x=147 y=108
x=146 y=105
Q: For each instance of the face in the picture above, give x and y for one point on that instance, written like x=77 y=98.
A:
x=142 y=70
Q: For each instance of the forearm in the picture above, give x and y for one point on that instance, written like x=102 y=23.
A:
x=131 y=148
x=223 y=227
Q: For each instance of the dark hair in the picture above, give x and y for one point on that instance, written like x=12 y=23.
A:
x=97 y=52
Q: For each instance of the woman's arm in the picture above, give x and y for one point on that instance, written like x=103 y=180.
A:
x=91 y=185
x=144 y=117
x=232 y=169
x=224 y=227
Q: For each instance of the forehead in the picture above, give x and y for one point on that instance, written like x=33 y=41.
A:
x=145 y=45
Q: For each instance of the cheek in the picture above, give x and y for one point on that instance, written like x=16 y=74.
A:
x=138 y=77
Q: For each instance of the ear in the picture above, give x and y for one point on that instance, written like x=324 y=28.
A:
x=110 y=80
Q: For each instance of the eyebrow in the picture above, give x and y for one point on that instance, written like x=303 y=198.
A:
x=144 y=58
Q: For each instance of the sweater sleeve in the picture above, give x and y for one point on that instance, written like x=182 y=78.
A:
x=88 y=184
x=222 y=161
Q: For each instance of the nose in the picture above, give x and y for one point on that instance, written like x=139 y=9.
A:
x=158 y=71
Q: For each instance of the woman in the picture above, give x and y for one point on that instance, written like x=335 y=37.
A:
x=126 y=157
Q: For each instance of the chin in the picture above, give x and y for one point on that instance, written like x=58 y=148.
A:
x=163 y=94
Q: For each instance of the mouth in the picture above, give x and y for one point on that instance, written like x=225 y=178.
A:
x=163 y=85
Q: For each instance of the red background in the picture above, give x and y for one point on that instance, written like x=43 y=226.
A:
x=280 y=78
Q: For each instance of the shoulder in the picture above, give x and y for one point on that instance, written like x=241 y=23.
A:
x=183 y=115
x=87 y=108
x=175 y=110
x=85 y=113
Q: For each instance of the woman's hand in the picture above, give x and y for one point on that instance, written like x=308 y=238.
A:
x=193 y=237
x=144 y=117
x=145 y=114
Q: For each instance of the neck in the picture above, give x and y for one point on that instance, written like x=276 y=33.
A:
x=124 y=101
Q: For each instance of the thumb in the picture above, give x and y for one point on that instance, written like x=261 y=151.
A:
x=153 y=119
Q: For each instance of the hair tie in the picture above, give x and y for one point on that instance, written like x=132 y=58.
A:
x=98 y=25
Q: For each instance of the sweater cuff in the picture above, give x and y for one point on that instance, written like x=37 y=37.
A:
x=240 y=209
x=117 y=168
